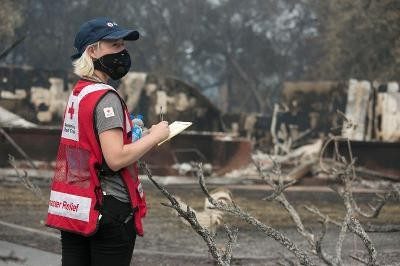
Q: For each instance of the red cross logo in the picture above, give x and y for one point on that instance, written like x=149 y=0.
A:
x=71 y=110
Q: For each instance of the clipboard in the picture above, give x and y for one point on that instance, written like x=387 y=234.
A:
x=175 y=128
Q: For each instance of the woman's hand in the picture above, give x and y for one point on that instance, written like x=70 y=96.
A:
x=160 y=131
x=118 y=155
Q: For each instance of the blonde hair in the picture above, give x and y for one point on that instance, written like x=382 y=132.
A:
x=83 y=66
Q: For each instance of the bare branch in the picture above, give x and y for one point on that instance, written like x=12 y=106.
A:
x=324 y=147
x=348 y=123
x=25 y=180
x=302 y=256
x=351 y=222
x=17 y=147
x=345 y=172
x=324 y=217
x=232 y=238
x=297 y=220
x=347 y=176
x=278 y=196
x=357 y=229
x=277 y=185
x=352 y=160
x=6 y=51
x=221 y=257
x=375 y=210
x=318 y=244
x=359 y=259
x=360 y=171
x=382 y=200
x=273 y=128
x=343 y=230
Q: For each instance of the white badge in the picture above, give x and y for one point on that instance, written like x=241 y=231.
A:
x=108 y=112
x=68 y=205
x=140 y=190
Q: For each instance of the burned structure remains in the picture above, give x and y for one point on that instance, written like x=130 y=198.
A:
x=41 y=99
x=307 y=111
x=370 y=111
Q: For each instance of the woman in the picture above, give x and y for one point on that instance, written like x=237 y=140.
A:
x=96 y=198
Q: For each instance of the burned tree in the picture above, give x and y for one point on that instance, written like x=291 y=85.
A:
x=222 y=257
x=342 y=171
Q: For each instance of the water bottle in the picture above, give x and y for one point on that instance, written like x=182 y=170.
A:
x=137 y=128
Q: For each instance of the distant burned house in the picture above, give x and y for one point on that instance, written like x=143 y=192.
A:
x=375 y=110
x=37 y=95
x=313 y=105
x=372 y=107
x=152 y=95
x=372 y=123
x=305 y=106
x=40 y=97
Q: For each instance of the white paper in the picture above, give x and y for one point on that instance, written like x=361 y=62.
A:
x=175 y=128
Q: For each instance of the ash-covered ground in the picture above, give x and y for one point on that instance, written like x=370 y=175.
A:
x=168 y=241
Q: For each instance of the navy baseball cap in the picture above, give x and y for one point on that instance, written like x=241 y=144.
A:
x=100 y=29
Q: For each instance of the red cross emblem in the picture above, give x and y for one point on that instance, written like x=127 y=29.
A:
x=71 y=110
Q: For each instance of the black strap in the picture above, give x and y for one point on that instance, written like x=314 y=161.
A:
x=117 y=218
x=121 y=219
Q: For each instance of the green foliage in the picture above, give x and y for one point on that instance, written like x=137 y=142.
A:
x=358 y=39
x=10 y=19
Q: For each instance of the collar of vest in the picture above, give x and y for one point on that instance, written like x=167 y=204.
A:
x=83 y=83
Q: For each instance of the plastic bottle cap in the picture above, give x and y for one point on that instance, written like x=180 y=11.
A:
x=139 y=117
x=131 y=116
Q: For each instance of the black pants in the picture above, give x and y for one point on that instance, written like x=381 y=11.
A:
x=112 y=244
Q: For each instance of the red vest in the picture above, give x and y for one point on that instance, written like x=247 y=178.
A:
x=76 y=195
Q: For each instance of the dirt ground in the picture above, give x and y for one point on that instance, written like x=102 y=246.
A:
x=168 y=241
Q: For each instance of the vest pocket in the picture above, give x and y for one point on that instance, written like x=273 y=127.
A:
x=76 y=166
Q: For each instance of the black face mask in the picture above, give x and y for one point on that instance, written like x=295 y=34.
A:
x=114 y=65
